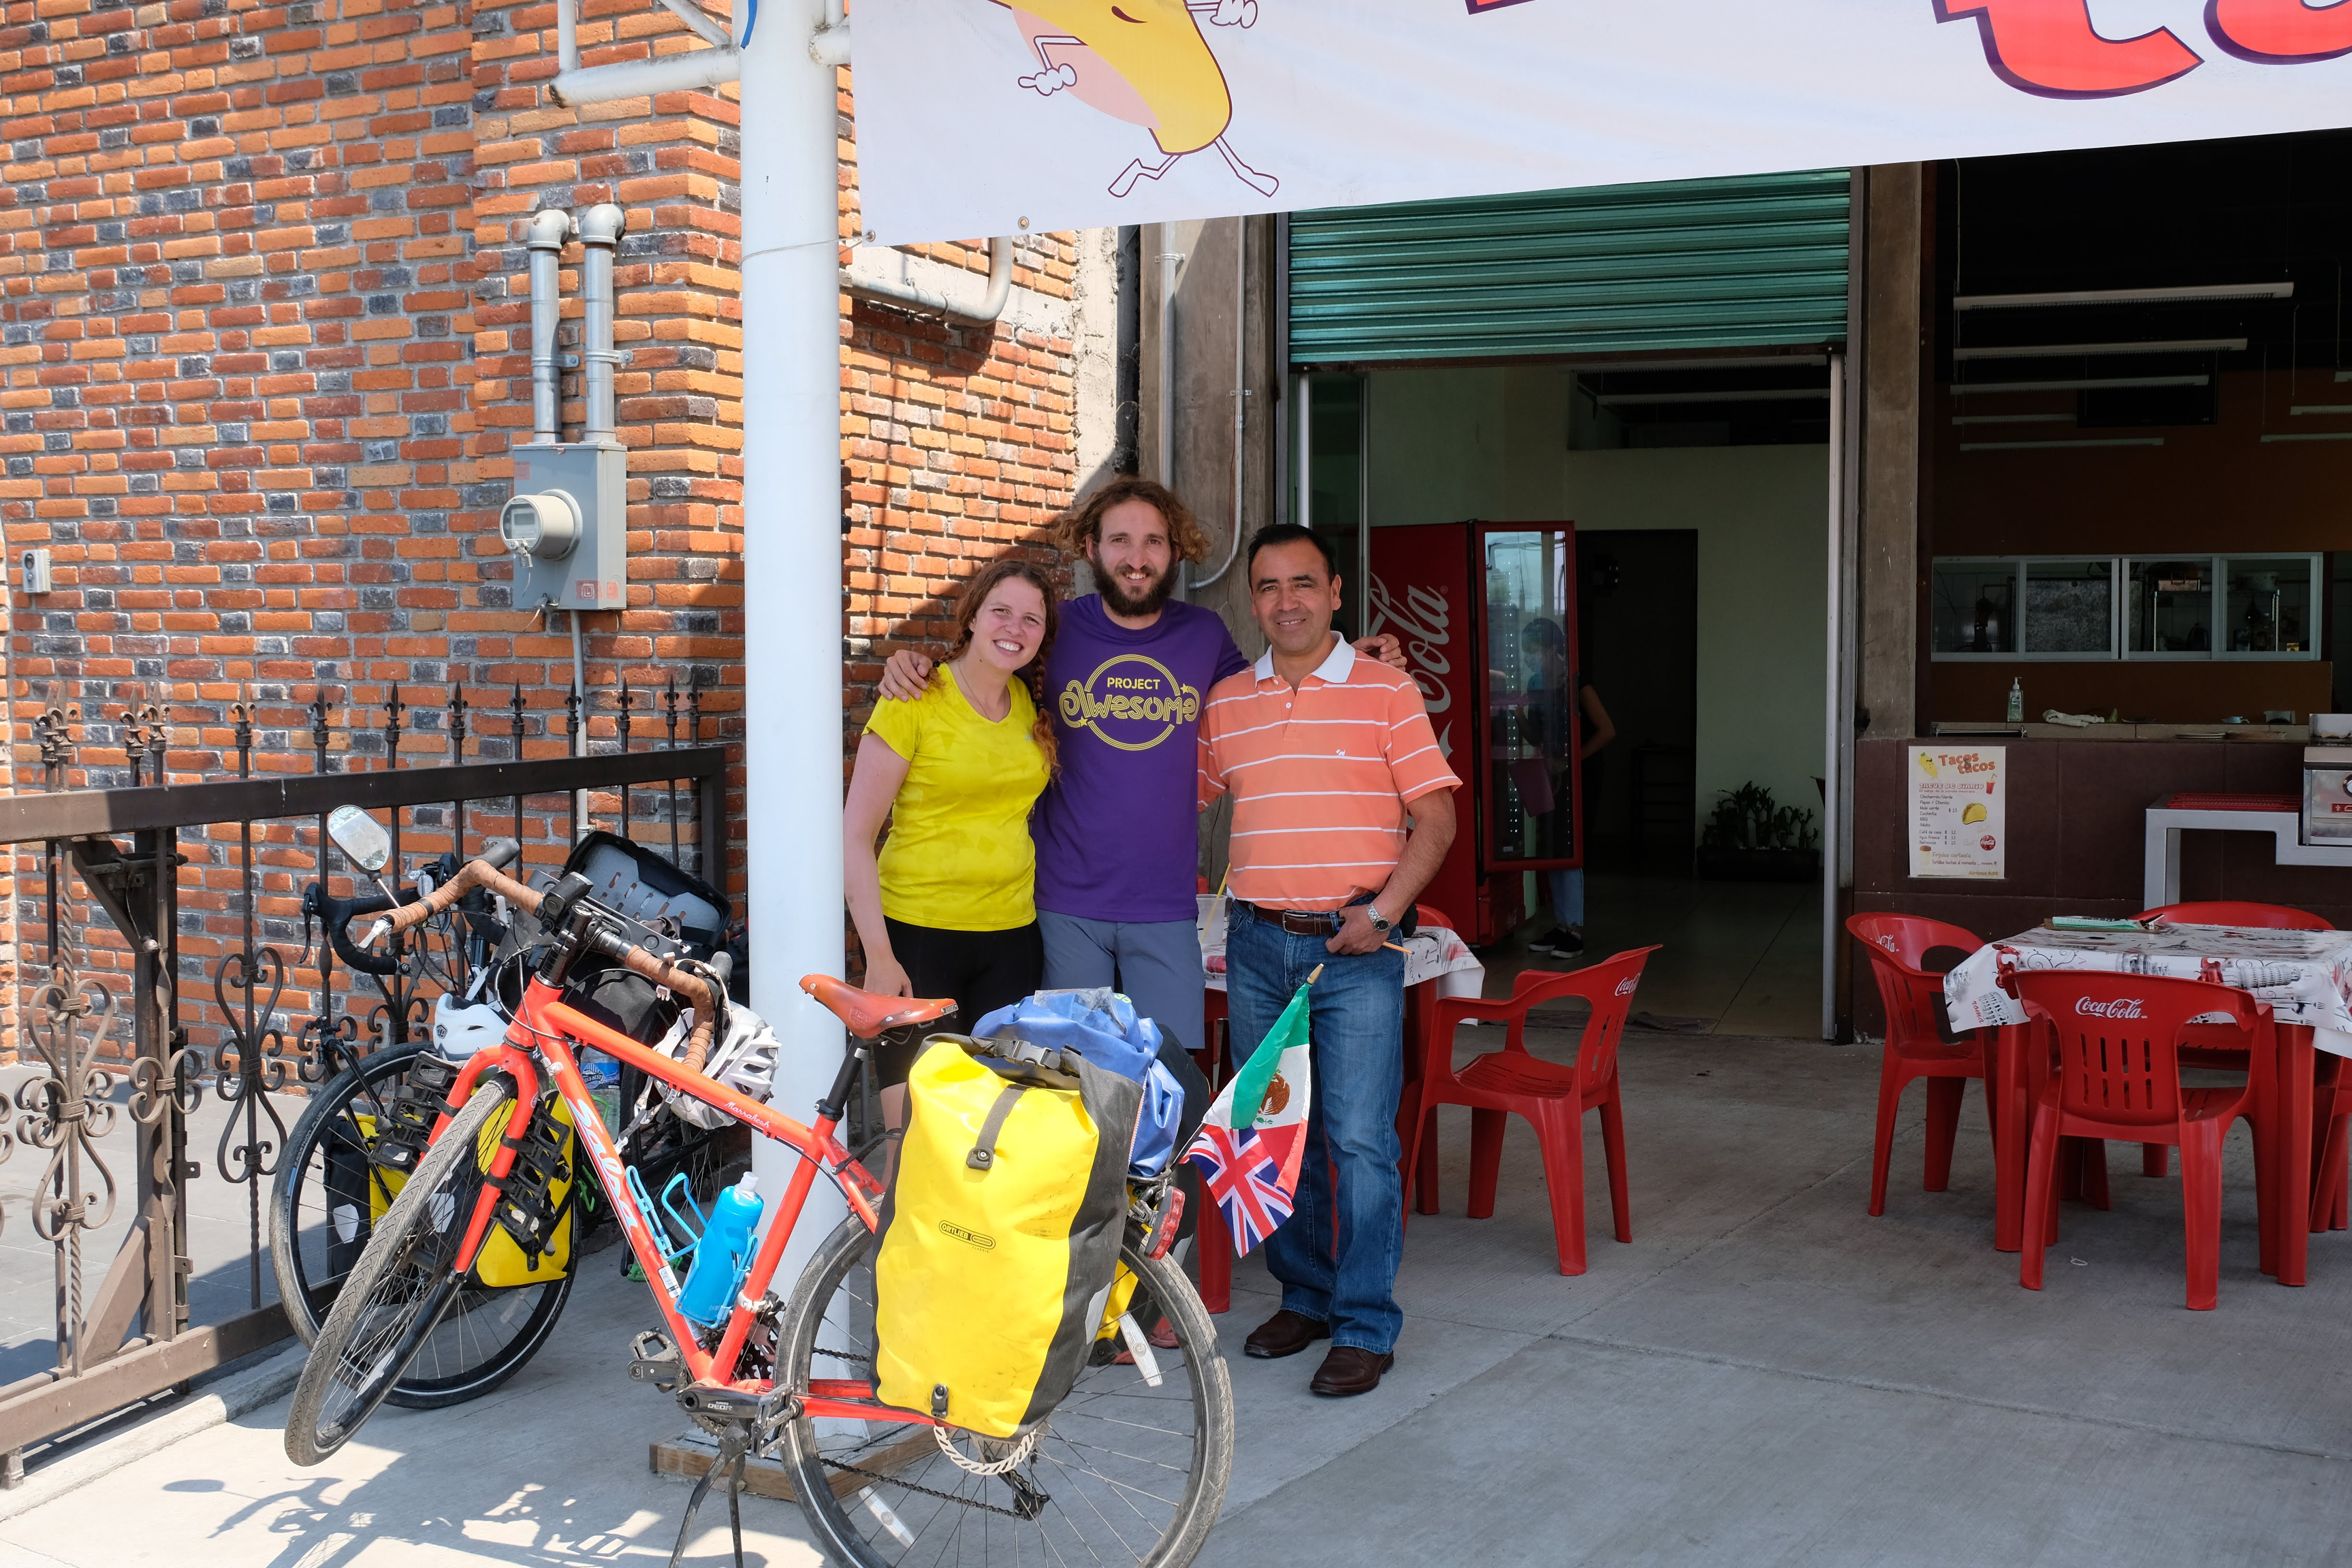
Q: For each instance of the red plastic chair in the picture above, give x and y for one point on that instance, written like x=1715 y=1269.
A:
x=2118 y=1075
x=1915 y=1047
x=1552 y=1097
x=2218 y=1046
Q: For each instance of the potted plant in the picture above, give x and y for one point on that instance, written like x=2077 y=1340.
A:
x=1753 y=838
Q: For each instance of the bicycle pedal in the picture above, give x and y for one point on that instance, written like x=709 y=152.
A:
x=652 y=1359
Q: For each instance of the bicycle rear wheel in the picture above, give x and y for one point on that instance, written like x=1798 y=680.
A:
x=401 y=1289
x=323 y=1213
x=1127 y=1471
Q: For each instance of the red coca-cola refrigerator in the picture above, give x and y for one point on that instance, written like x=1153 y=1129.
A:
x=1486 y=612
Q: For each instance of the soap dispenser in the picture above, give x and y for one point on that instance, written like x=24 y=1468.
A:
x=2016 y=700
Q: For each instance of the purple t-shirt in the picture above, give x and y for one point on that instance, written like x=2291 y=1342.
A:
x=1117 y=832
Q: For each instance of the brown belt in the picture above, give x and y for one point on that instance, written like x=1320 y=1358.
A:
x=1298 y=922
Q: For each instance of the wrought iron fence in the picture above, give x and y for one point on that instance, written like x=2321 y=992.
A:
x=150 y=892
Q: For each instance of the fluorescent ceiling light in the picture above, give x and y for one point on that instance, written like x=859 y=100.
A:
x=2314 y=436
x=2069 y=351
x=1961 y=389
x=2038 y=445
x=2321 y=408
x=1752 y=394
x=2125 y=296
x=2013 y=419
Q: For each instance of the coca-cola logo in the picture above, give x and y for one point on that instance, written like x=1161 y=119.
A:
x=1425 y=625
x=1625 y=986
x=2116 y=1008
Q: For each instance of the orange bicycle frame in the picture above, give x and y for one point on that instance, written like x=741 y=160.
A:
x=545 y=1029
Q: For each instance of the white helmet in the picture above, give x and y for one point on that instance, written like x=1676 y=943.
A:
x=745 y=1061
x=462 y=1028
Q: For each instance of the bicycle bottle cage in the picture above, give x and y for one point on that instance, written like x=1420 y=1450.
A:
x=406 y=1127
x=529 y=1209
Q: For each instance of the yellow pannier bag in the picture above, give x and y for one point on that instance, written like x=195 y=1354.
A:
x=501 y=1264
x=1001 y=1233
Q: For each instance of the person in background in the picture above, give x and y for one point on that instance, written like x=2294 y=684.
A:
x=948 y=907
x=1343 y=809
x=1556 y=679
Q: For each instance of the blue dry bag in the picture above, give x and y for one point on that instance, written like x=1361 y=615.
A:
x=1102 y=1026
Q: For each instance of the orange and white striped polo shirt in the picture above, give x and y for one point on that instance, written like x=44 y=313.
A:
x=1320 y=776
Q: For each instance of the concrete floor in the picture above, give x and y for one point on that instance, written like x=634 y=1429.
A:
x=1746 y=956
x=1766 y=1376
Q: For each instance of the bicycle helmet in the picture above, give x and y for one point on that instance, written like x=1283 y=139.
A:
x=745 y=1061
x=462 y=1028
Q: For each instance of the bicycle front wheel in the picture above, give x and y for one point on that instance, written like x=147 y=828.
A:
x=401 y=1287
x=1131 y=1467
x=323 y=1212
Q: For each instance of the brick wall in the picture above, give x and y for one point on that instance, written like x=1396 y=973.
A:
x=264 y=351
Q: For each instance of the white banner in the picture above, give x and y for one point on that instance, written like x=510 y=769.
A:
x=976 y=118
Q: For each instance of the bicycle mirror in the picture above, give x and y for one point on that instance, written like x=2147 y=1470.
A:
x=360 y=837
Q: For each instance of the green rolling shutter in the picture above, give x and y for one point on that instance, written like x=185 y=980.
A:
x=1735 y=263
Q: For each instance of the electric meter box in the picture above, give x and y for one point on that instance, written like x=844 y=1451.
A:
x=567 y=527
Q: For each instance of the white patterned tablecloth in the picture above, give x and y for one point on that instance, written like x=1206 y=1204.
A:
x=1432 y=953
x=2305 y=976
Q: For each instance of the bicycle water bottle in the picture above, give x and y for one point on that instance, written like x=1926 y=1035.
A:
x=723 y=1255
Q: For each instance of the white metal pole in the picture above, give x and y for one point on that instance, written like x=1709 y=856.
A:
x=792 y=571
x=1832 y=783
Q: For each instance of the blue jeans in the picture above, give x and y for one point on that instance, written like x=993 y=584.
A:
x=1567 y=898
x=1356 y=1025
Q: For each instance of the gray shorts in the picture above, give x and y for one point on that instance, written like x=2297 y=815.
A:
x=1156 y=964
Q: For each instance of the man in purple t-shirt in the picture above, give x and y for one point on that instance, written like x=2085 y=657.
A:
x=1118 y=831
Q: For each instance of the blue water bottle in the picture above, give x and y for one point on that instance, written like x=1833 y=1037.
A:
x=723 y=1255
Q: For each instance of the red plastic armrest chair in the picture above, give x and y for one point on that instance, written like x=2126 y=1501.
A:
x=2215 y=1046
x=1916 y=1046
x=2118 y=1075
x=1551 y=1096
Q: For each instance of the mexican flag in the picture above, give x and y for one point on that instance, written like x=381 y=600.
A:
x=1249 y=1146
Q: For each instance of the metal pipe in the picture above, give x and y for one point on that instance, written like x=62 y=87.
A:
x=1170 y=261
x=701 y=20
x=1833 y=782
x=600 y=236
x=688 y=70
x=579 y=736
x=549 y=230
x=567 y=38
x=990 y=309
x=792 y=568
x=1306 y=514
x=1240 y=391
x=829 y=44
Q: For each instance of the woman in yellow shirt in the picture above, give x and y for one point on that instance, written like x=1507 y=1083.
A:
x=947 y=910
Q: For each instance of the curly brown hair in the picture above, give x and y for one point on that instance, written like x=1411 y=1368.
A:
x=1082 y=525
x=983 y=582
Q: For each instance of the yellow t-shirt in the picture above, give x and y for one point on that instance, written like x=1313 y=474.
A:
x=958 y=856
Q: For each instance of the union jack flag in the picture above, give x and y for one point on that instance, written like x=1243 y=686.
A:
x=1244 y=1176
x=1251 y=1142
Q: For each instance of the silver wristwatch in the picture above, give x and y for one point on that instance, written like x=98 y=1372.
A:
x=1380 y=922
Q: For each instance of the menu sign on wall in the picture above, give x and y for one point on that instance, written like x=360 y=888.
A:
x=1957 y=821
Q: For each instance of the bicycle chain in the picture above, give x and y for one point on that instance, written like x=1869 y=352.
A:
x=929 y=1491
x=910 y=1485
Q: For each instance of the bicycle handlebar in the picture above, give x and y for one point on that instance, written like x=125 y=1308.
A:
x=481 y=873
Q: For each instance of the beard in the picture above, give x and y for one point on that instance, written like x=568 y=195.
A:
x=1149 y=603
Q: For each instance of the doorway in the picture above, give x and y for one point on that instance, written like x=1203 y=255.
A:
x=1637 y=618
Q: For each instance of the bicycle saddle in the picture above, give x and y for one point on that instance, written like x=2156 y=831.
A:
x=869 y=1016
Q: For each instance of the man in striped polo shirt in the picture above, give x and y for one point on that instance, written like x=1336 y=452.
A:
x=1342 y=810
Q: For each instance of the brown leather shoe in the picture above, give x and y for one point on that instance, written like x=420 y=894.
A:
x=1350 y=1371
x=1285 y=1333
